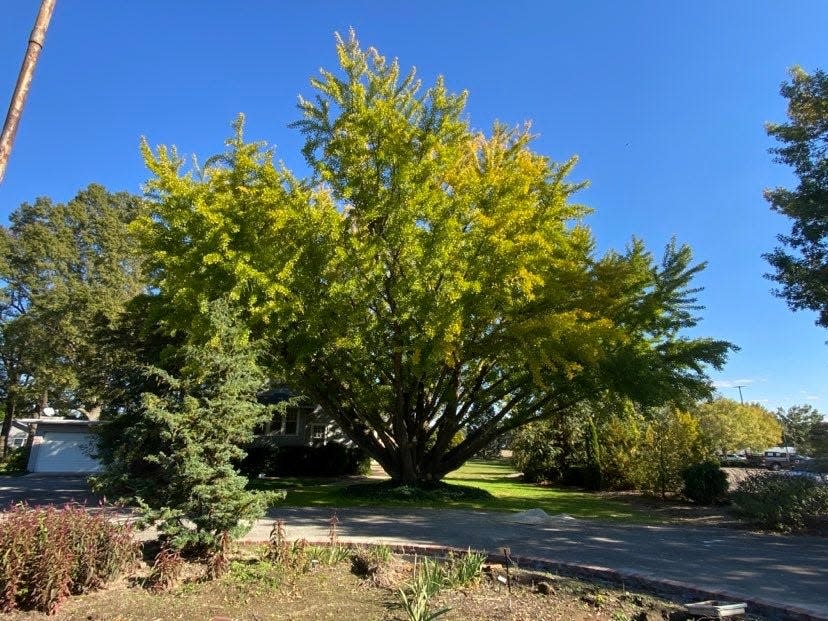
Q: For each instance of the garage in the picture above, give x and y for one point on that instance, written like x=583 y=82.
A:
x=62 y=446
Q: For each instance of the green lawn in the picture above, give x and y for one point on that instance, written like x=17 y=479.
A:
x=497 y=478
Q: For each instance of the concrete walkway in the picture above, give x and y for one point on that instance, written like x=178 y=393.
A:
x=790 y=571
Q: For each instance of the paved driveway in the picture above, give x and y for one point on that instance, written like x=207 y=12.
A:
x=44 y=489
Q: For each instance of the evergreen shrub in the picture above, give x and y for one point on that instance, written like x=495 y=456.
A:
x=705 y=483
x=15 y=461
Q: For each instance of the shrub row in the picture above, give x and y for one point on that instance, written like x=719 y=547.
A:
x=332 y=459
x=782 y=502
x=777 y=501
x=47 y=554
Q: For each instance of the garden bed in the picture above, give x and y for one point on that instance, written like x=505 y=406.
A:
x=328 y=583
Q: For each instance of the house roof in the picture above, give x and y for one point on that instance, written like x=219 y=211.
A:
x=63 y=422
x=275 y=395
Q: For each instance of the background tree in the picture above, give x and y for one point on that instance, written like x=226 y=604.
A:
x=672 y=441
x=636 y=448
x=429 y=279
x=65 y=267
x=819 y=439
x=550 y=449
x=593 y=470
x=797 y=423
x=621 y=428
x=729 y=426
x=801 y=263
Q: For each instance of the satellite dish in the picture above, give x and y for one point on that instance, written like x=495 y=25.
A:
x=47 y=411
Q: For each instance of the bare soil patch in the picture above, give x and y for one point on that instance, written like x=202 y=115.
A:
x=255 y=590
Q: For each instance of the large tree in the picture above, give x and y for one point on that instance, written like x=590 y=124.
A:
x=801 y=262
x=65 y=268
x=729 y=426
x=798 y=423
x=427 y=279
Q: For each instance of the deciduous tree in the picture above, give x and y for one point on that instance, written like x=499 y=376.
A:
x=65 y=267
x=729 y=426
x=798 y=422
x=428 y=278
x=670 y=443
x=801 y=262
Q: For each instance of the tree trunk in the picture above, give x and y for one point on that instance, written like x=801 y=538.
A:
x=11 y=410
x=42 y=403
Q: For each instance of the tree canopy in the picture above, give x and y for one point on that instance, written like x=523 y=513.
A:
x=798 y=423
x=801 y=262
x=730 y=426
x=65 y=268
x=428 y=278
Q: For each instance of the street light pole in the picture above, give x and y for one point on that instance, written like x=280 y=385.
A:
x=786 y=436
x=24 y=81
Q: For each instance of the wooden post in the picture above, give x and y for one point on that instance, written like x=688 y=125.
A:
x=24 y=81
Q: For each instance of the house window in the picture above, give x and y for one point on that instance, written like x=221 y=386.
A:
x=18 y=442
x=318 y=434
x=290 y=423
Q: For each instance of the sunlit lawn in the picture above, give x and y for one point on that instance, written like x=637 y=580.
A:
x=496 y=477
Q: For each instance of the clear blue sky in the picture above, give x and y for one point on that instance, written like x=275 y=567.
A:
x=664 y=103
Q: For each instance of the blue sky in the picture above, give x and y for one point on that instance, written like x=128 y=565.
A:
x=664 y=103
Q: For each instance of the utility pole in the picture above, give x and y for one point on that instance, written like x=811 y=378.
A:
x=24 y=81
x=741 y=400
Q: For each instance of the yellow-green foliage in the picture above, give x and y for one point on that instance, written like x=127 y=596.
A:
x=429 y=278
x=671 y=442
x=729 y=426
x=623 y=454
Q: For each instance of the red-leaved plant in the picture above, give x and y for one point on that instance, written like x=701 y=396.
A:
x=49 y=553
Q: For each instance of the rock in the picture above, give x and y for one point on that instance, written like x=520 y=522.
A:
x=538 y=516
x=545 y=588
x=649 y=615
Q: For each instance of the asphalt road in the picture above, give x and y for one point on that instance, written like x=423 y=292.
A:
x=41 y=489
x=789 y=570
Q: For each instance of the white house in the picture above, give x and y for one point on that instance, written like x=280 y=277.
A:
x=18 y=433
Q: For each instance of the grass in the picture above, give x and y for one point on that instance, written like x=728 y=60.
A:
x=491 y=485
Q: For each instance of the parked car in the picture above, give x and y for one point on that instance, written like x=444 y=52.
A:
x=814 y=476
x=777 y=460
x=732 y=459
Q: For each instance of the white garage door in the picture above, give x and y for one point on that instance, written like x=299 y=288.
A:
x=62 y=451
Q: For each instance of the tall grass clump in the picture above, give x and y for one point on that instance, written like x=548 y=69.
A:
x=49 y=553
x=415 y=597
x=464 y=569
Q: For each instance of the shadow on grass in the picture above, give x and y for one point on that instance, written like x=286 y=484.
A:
x=479 y=485
x=439 y=492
